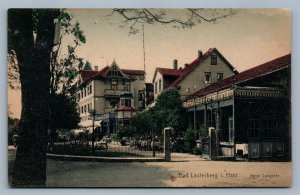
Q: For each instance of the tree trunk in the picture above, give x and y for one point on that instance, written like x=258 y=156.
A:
x=34 y=65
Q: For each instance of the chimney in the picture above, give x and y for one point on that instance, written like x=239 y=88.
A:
x=175 y=64
x=186 y=65
x=199 y=53
x=96 y=68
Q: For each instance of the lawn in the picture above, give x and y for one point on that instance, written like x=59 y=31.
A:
x=80 y=150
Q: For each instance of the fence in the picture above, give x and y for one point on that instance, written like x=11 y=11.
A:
x=106 y=147
x=141 y=148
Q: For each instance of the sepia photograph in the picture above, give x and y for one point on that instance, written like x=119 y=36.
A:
x=149 y=98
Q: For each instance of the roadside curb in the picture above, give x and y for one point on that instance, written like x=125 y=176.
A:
x=102 y=159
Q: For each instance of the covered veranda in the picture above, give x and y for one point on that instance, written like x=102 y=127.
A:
x=248 y=122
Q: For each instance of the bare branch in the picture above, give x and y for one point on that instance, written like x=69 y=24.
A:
x=191 y=18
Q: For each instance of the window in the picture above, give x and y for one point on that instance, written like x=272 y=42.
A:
x=91 y=91
x=126 y=86
x=84 y=108
x=213 y=59
x=113 y=103
x=141 y=95
x=219 y=76
x=207 y=78
x=81 y=109
x=155 y=87
x=230 y=129
x=159 y=85
x=254 y=125
x=125 y=102
x=114 y=84
x=78 y=97
x=84 y=92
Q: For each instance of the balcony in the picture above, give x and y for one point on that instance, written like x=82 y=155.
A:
x=112 y=92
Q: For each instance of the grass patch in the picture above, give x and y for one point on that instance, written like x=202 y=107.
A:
x=85 y=151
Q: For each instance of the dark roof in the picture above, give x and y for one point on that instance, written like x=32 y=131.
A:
x=87 y=75
x=169 y=71
x=133 y=72
x=102 y=72
x=252 y=73
x=194 y=64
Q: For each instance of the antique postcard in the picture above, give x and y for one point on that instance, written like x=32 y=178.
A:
x=144 y=97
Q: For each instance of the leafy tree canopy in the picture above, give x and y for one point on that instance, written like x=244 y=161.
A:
x=64 y=113
x=169 y=109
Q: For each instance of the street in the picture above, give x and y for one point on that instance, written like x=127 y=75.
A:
x=185 y=171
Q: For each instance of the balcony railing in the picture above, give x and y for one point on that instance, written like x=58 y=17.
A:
x=112 y=92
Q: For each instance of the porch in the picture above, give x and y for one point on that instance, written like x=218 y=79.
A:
x=243 y=122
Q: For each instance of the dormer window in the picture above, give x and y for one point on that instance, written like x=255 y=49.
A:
x=207 y=77
x=213 y=59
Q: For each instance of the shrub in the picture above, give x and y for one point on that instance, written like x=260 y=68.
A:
x=203 y=131
x=196 y=150
x=190 y=140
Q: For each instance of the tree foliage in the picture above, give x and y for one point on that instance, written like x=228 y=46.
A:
x=65 y=63
x=189 y=140
x=170 y=110
x=65 y=115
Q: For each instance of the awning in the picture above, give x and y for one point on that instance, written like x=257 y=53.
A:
x=89 y=123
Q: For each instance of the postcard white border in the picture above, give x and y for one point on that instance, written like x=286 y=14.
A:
x=294 y=4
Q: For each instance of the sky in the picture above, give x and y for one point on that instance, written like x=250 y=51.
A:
x=247 y=39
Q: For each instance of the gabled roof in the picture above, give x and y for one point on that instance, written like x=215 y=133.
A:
x=87 y=75
x=252 y=73
x=194 y=64
x=167 y=72
x=102 y=72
